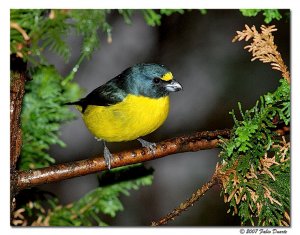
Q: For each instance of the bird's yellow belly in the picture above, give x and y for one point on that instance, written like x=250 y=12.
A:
x=135 y=116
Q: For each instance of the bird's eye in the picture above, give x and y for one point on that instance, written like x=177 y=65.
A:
x=156 y=80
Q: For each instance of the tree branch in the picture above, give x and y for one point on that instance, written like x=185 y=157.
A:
x=190 y=202
x=17 y=27
x=188 y=143
x=17 y=89
x=215 y=180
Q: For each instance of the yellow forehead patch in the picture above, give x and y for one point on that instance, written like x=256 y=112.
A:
x=167 y=77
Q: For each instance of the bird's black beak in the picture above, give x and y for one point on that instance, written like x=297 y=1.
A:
x=173 y=86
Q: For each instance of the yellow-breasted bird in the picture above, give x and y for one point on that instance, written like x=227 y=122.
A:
x=133 y=104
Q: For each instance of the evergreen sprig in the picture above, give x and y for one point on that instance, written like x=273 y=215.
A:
x=269 y=14
x=256 y=164
x=88 y=210
x=43 y=30
x=105 y=200
x=88 y=23
x=42 y=114
x=47 y=29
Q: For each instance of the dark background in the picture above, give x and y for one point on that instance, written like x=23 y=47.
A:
x=215 y=74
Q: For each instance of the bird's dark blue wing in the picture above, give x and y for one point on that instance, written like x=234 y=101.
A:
x=104 y=96
x=108 y=94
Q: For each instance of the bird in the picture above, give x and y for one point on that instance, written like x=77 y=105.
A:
x=129 y=106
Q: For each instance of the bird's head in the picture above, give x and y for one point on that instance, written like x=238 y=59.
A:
x=150 y=80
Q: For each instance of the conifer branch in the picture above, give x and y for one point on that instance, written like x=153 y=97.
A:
x=263 y=47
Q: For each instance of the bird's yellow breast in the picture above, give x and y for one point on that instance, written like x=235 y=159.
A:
x=135 y=116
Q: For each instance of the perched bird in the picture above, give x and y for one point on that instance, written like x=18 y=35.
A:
x=133 y=104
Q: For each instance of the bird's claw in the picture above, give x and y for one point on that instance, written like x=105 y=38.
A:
x=150 y=145
x=107 y=157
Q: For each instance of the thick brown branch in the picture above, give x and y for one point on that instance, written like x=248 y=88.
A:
x=16 y=98
x=194 y=142
x=190 y=202
x=17 y=90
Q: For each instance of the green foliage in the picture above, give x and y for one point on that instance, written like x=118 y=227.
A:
x=127 y=15
x=89 y=209
x=87 y=23
x=169 y=12
x=42 y=31
x=47 y=29
x=42 y=114
x=100 y=200
x=203 y=11
x=259 y=185
x=270 y=14
x=153 y=17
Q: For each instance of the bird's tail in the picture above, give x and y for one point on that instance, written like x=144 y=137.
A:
x=73 y=103
x=80 y=105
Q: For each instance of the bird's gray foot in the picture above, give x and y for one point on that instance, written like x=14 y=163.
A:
x=147 y=144
x=107 y=156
